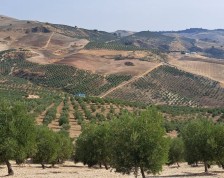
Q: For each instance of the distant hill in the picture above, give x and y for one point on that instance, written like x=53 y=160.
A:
x=124 y=33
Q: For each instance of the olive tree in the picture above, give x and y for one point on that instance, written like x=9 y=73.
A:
x=138 y=142
x=47 y=147
x=65 y=147
x=198 y=137
x=17 y=134
x=219 y=144
x=91 y=146
x=176 y=151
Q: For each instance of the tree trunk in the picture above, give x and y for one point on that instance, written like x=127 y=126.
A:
x=136 y=172
x=105 y=165
x=43 y=166
x=9 y=166
x=142 y=171
x=206 y=166
x=222 y=166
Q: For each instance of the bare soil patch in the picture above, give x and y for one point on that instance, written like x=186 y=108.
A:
x=102 y=65
x=33 y=97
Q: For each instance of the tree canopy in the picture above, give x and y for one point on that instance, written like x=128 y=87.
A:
x=17 y=133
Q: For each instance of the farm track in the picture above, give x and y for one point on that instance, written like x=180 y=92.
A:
x=54 y=125
x=130 y=81
x=75 y=128
x=39 y=119
x=49 y=40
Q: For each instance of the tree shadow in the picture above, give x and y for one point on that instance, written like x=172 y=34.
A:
x=74 y=166
x=83 y=167
x=187 y=174
x=217 y=172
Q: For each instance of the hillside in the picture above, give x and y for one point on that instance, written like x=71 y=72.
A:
x=173 y=68
x=168 y=85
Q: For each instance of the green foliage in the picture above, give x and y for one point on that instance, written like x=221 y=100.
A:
x=52 y=147
x=66 y=147
x=63 y=120
x=91 y=146
x=176 y=151
x=138 y=142
x=47 y=147
x=63 y=77
x=199 y=141
x=218 y=133
x=112 y=46
x=17 y=133
x=174 y=125
x=171 y=86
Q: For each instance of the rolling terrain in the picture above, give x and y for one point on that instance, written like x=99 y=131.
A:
x=68 y=77
x=183 y=68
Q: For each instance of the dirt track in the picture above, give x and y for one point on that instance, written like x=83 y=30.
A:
x=129 y=81
x=49 y=40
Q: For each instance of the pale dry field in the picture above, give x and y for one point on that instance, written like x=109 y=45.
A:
x=102 y=62
x=71 y=170
x=136 y=54
x=210 y=70
x=3 y=47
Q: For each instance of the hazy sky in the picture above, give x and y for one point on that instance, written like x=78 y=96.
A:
x=110 y=15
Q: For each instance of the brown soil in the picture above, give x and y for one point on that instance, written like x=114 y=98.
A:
x=39 y=119
x=75 y=128
x=54 y=125
x=101 y=65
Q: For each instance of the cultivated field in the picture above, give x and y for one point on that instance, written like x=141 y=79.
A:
x=200 y=66
x=169 y=85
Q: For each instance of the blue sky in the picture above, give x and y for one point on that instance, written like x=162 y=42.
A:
x=110 y=15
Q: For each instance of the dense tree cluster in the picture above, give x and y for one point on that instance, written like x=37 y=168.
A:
x=128 y=142
x=20 y=138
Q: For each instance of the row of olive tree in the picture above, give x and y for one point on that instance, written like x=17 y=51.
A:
x=129 y=143
x=203 y=141
x=200 y=141
x=20 y=138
